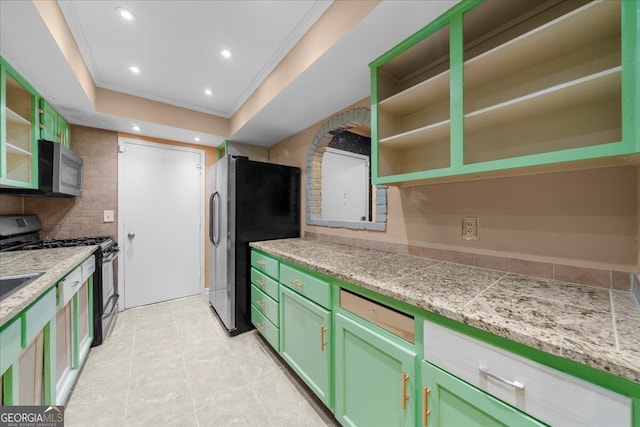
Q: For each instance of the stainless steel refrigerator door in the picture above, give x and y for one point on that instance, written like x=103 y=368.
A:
x=221 y=281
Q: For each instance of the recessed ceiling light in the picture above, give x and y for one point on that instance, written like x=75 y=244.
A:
x=135 y=127
x=226 y=53
x=134 y=69
x=124 y=13
x=208 y=92
x=196 y=138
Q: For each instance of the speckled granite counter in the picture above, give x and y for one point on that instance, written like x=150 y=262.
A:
x=55 y=263
x=595 y=326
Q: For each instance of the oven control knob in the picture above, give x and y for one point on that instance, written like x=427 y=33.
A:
x=131 y=235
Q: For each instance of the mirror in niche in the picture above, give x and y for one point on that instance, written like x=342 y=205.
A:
x=338 y=187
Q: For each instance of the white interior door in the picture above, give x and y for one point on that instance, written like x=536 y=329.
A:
x=345 y=186
x=161 y=204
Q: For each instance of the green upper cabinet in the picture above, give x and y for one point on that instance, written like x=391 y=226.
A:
x=48 y=121
x=222 y=150
x=25 y=117
x=496 y=86
x=18 y=130
x=64 y=130
x=53 y=127
x=450 y=402
x=374 y=374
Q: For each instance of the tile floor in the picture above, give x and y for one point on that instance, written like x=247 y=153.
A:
x=171 y=364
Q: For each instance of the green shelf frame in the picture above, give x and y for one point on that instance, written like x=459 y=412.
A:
x=628 y=146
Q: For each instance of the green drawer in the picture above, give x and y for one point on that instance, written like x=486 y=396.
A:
x=10 y=344
x=265 y=283
x=315 y=289
x=38 y=315
x=265 y=304
x=265 y=327
x=265 y=264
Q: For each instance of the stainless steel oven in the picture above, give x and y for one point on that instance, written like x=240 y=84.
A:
x=106 y=303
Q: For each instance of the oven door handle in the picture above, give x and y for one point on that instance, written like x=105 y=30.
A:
x=113 y=298
x=110 y=257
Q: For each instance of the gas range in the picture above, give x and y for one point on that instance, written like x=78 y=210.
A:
x=20 y=233
x=106 y=243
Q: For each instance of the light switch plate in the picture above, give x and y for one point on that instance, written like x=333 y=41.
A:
x=108 y=216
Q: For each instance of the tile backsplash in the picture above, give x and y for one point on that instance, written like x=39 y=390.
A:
x=602 y=278
x=64 y=218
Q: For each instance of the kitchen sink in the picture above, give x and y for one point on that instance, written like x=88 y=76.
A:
x=11 y=284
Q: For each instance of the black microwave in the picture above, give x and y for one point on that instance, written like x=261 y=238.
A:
x=59 y=172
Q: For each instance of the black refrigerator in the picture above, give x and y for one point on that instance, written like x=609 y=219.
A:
x=249 y=201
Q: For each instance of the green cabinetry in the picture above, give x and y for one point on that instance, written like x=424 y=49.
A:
x=265 y=296
x=10 y=343
x=44 y=347
x=491 y=87
x=292 y=310
x=375 y=361
x=374 y=374
x=306 y=340
x=74 y=330
x=548 y=395
x=53 y=127
x=25 y=117
x=18 y=130
x=28 y=354
x=450 y=402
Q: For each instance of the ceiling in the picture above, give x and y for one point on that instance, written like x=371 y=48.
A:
x=176 y=45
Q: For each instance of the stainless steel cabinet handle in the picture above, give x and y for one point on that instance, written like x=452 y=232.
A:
x=214 y=225
x=211 y=216
x=516 y=384
x=131 y=235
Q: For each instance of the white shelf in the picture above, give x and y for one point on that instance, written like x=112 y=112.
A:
x=595 y=88
x=580 y=28
x=591 y=89
x=13 y=117
x=420 y=136
x=13 y=149
x=433 y=90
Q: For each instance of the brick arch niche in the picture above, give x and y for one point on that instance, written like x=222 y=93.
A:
x=344 y=121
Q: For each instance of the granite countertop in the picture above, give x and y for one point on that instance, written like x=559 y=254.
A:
x=595 y=326
x=54 y=263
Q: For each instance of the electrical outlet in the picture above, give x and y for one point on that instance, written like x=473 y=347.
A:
x=108 y=216
x=470 y=228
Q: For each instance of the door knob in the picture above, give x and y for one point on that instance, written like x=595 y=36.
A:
x=131 y=235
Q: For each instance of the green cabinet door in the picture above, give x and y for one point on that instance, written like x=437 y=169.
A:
x=451 y=402
x=63 y=131
x=48 y=121
x=374 y=376
x=53 y=127
x=305 y=341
